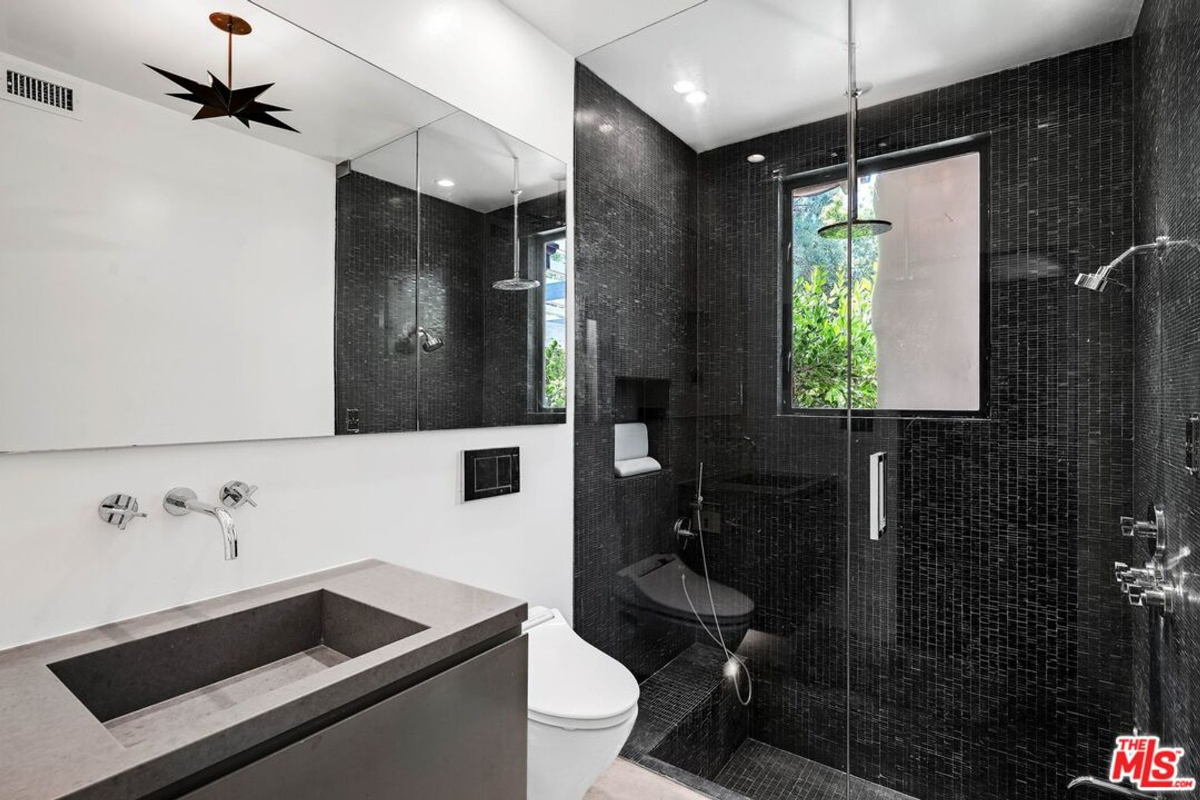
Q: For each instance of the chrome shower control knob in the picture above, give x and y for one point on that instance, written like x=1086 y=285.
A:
x=1150 y=597
x=235 y=494
x=119 y=509
x=1153 y=528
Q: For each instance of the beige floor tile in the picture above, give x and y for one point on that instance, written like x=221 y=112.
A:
x=627 y=781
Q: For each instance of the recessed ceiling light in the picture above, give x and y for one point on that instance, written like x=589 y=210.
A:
x=684 y=87
x=697 y=97
x=756 y=158
x=445 y=183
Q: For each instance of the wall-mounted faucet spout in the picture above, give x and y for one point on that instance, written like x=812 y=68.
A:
x=181 y=501
x=1096 y=281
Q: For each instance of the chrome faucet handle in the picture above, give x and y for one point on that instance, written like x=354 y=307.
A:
x=1153 y=528
x=1134 y=527
x=1150 y=597
x=235 y=494
x=119 y=509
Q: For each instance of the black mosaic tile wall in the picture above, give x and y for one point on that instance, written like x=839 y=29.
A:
x=635 y=259
x=482 y=376
x=375 y=300
x=988 y=656
x=1167 y=116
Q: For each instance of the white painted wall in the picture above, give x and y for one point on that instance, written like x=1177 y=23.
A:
x=160 y=281
x=322 y=501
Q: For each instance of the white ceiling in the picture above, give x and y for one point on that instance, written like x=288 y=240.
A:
x=578 y=26
x=342 y=105
x=768 y=65
x=473 y=154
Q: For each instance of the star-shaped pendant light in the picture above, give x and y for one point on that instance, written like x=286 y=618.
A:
x=222 y=100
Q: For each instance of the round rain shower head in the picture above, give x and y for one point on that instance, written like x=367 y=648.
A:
x=516 y=285
x=860 y=229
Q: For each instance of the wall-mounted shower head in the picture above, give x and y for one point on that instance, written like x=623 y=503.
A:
x=1096 y=281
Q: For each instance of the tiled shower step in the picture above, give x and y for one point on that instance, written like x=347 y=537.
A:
x=671 y=694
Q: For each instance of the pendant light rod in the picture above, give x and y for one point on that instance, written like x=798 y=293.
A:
x=229 y=56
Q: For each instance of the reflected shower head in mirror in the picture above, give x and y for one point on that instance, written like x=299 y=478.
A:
x=516 y=283
x=429 y=342
x=1098 y=280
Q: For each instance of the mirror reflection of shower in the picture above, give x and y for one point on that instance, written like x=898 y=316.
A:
x=429 y=342
x=516 y=283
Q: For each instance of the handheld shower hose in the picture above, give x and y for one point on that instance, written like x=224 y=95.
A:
x=735 y=665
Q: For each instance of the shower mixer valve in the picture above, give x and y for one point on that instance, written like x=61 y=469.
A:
x=1153 y=528
x=1147 y=586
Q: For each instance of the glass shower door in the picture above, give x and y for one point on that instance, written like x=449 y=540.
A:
x=990 y=444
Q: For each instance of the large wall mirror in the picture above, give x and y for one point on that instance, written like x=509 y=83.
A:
x=187 y=256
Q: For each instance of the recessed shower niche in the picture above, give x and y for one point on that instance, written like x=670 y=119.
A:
x=645 y=401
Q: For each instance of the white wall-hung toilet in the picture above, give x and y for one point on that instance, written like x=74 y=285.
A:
x=582 y=706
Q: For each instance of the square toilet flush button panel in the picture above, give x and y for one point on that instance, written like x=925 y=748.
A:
x=491 y=473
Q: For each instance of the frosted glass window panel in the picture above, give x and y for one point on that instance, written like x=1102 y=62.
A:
x=927 y=295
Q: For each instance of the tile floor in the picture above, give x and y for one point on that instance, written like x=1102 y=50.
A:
x=625 y=780
x=757 y=771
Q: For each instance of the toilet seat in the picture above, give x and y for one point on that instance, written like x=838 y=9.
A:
x=572 y=685
x=657 y=586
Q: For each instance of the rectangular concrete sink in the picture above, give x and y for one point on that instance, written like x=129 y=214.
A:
x=148 y=687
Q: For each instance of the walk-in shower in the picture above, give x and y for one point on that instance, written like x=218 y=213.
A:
x=978 y=640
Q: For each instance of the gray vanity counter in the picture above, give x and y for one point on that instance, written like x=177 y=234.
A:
x=128 y=709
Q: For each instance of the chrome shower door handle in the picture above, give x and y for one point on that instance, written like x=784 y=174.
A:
x=878 y=490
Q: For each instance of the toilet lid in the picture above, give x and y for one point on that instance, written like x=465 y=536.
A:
x=572 y=682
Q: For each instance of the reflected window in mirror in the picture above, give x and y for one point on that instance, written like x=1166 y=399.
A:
x=550 y=254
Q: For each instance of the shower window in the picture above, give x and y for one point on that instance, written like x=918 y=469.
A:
x=911 y=314
x=550 y=257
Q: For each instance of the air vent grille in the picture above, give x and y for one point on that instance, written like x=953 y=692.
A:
x=37 y=90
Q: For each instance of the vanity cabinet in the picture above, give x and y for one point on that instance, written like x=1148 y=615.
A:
x=460 y=734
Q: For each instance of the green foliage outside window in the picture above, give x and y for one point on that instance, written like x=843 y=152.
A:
x=830 y=318
x=555 y=365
